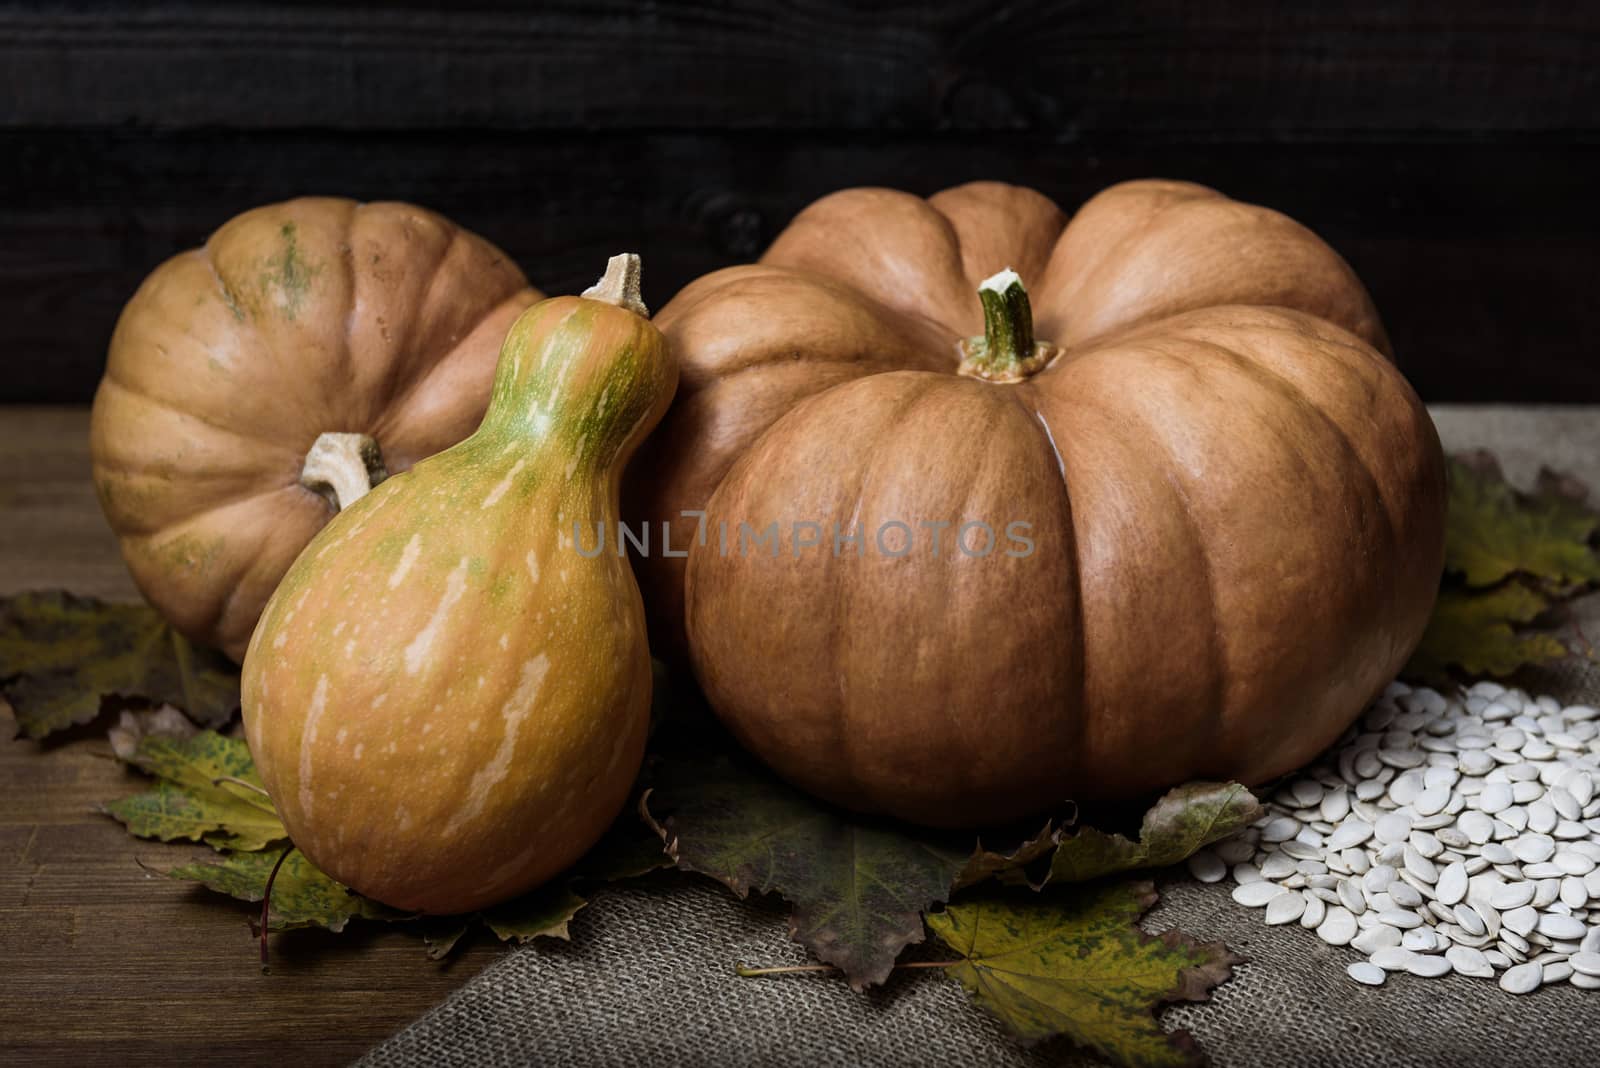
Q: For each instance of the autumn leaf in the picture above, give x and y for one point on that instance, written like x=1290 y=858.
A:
x=1477 y=632
x=441 y=934
x=1180 y=823
x=1494 y=531
x=629 y=849
x=543 y=913
x=1074 y=963
x=302 y=896
x=61 y=655
x=858 y=888
x=135 y=724
x=986 y=864
x=206 y=789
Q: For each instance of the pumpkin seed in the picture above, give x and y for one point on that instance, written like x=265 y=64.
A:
x=1429 y=967
x=1366 y=973
x=1522 y=978
x=1442 y=833
x=1285 y=908
x=1255 y=895
x=1338 y=928
x=1207 y=866
x=1470 y=962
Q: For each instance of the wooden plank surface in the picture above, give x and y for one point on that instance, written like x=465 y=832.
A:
x=101 y=960
x=1480 y=256
x=1219 y=69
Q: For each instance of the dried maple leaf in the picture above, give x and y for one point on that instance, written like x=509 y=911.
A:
x=1477 y=632
x=1181 y=822
x=1075 y=963
x=628 y=850
x=1494 y=531
x=858 y=889
x=61 y=655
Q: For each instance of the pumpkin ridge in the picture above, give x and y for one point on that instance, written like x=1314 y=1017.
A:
x=901 y=411
x=1290 y=392
x=1384 y=368
x=403 y=381
x=1079 y=707
x=168 y=405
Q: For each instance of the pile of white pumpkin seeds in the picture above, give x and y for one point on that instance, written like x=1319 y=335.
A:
x=1441 y=834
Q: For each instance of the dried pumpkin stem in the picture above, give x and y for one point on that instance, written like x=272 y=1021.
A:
x=342 y=468
x=1007 y=351
x=620 y=285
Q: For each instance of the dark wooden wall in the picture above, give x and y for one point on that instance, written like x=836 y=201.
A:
x=1450 y=150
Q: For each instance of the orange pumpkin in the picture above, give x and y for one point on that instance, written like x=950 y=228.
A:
x=362 y=336
x=447 y=698
x=1191 y=515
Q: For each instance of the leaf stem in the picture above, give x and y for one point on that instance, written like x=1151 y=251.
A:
x=252 y=787
x=750 y=973
x=266 y=904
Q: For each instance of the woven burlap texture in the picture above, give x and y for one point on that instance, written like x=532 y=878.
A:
x=647 y=980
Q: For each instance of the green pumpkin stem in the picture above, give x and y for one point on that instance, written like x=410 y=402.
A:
x=1007 y=351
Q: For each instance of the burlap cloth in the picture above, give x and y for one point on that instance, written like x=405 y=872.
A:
x=647 y=979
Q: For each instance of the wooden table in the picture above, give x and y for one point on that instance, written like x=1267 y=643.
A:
x=102 y=961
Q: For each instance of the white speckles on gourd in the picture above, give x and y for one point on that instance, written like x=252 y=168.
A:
x=533 y=565
x=503 y=487
x=572 y=465
x=355 y=754
x=408 y=556
x=417 y=652
x=308 y=743
x=377 y=702
x=515 y=712
x=505 y=640
x=281 y=640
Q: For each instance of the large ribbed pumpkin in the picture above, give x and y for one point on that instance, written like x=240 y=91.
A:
x=241 y=370
x=1181 y=518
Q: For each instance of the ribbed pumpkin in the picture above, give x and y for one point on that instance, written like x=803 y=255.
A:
x=446 y=698
x=298 y=331
x=1231 y=503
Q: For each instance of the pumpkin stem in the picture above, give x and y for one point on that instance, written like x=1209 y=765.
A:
x=342 y=468
x=1007 y=351
x=620 y=285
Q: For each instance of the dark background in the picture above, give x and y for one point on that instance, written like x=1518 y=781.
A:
x=1449 y=150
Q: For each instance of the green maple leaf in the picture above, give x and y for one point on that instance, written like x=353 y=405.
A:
x=1494 y=532
x=207 y=788
x=60 y=655
x=1181 y=822
x=1075 y=963
x=302 y=896
x=858 y=888
x=1477 y=633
